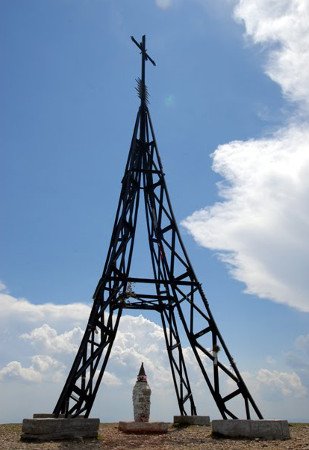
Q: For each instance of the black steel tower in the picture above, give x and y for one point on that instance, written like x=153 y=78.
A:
x=173 y=290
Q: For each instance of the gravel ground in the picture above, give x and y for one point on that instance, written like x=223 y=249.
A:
x=177 y=438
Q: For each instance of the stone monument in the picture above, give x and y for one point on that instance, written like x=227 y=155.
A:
x=141 y=407
x=141 y=397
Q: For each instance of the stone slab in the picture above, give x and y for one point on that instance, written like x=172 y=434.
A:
x=143 y=427
x=252 y=429
x=49 y=429
x=192 y=420
x=49 y=416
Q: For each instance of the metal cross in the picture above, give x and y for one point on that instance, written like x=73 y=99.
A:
x=145 y=56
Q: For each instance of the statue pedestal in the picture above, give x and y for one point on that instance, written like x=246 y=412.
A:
x=143 y=427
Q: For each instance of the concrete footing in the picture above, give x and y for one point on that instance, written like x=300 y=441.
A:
x=49 y=416
x=51 y=428
x=143 y=427
x=252 y=429
x=192 y=420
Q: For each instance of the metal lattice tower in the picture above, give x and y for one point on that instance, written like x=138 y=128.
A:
x=176 y=293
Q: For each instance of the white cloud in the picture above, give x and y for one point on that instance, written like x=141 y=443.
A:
x=42 y=368
x=29 y=312
x=279 y=394
x=25 y=326
x=50 y=341
x=284 y=383
x=274 y=385
x=43 y=363
x=44 y=338
x=260 y=228
x=14 y=370
x=138 y=340
x=302 y=343
x=164 y=4
x=285 y=24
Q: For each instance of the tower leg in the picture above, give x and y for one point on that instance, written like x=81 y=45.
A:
x=177 y=363
x=218 y=368
x=83 y=381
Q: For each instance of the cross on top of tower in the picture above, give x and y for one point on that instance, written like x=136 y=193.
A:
x=141 y=85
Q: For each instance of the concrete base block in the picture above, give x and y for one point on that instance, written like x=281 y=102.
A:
x=49 y=416
x=192 y=420
x=49 y=429
x=143 y=427
x=252 y=429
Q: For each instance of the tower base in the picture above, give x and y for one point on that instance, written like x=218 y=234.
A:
x=251 y=429
x=55 y=428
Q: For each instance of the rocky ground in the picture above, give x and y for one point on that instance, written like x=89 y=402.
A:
x=177 y=438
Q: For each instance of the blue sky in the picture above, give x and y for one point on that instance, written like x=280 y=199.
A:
x=228 y=100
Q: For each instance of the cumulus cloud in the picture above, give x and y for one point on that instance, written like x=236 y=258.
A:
x=44 y=339
x=14 y=370
x=140 y=340
x=42 y=368
x=46 y=353
x=52 y=342
x=20 y=308
x=34 y=332
x=44 y=363
x=282 y=383
x=260 y=228
x=284 y=24
x=279 y=393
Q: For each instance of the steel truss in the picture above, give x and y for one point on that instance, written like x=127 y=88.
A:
x=177 y=295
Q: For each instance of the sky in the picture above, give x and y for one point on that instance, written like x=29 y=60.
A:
x=229 y=104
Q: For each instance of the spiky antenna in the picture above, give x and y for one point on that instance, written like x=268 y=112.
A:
x=142 y=91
